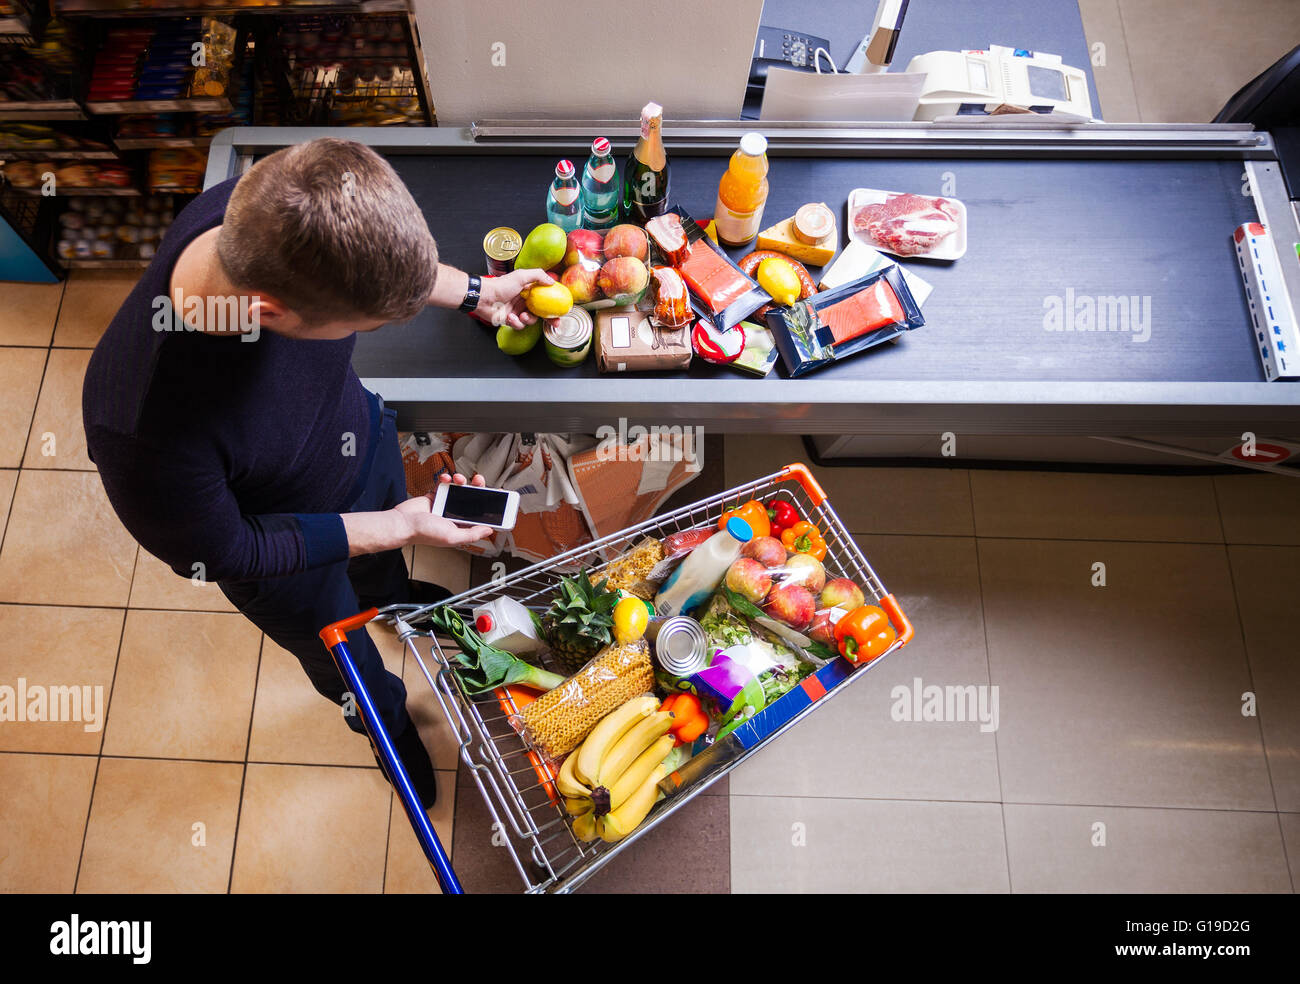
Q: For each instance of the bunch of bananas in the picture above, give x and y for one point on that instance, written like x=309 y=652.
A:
x=611 y=781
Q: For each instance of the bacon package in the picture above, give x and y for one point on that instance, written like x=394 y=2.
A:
x=836 y=324
x=906 y=224
x=672 y=301
x=720 y=291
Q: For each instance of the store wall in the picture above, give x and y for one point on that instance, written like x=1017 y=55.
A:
x=511 y=59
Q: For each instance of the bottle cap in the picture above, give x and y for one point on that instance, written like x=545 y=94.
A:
x=564 y=169
x=483 y=623
x=600 y=146
x=753 y=144
x=741 y=530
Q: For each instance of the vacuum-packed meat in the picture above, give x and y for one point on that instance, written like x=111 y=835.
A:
x=672 y=304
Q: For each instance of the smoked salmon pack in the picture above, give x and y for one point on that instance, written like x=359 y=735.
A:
x=838 y=323
x=721 y=292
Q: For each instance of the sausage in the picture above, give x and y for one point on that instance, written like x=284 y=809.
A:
x=749 y=265
x=672 y=306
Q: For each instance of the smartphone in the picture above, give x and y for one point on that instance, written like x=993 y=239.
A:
x=474 y=506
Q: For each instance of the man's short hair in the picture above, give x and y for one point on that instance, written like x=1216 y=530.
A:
x=328 y=229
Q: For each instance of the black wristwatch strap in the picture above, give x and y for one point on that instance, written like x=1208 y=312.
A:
x=472 y=294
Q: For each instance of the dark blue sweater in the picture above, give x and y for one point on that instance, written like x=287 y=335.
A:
x=221 y=452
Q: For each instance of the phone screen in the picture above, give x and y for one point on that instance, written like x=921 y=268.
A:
x=470 y=504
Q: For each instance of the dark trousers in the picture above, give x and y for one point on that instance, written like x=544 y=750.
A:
x=292 y=610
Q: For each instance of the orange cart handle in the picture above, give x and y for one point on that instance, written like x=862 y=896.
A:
x=901 y=623
x=336 y=632
x=800 y=473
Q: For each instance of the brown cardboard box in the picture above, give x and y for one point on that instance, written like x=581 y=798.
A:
x=627 y=341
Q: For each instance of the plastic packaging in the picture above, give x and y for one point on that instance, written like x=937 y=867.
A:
x=506 y=624
x=720 y=291
x=558 y=721
x=633 y=569
x=906 y=225
x=606 y=268
x=838 y=323
x=742 y=192
x=695 y=579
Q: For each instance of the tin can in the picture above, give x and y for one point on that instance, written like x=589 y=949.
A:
x=501 y=246
x=679 y=644
x=568 y=338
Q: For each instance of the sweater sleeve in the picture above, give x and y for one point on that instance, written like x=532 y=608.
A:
x=179 y=507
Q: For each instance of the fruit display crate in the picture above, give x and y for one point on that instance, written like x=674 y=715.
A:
x=517 y=786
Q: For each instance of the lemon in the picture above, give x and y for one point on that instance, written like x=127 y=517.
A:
x=778 y=278
x=548 y=300
x=630 y=620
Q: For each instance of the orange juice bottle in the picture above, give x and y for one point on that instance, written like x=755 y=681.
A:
x=742 y=192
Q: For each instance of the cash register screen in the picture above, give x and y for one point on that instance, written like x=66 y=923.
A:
x=1046 y=83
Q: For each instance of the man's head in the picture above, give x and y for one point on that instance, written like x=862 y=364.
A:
x=329 y=237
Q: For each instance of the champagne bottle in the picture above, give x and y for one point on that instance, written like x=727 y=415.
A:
x=645 y=178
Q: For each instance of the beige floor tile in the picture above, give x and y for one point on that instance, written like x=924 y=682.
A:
x=441 y=565
x=1061 y=849
x=64 y=544
x=869 y=500
x=60 y=647
x=1265 y=580
x=29 y=313
x=156 y=585
x=161 y=827
x=1290 y=823
x=1128 y=694
x=1259 y=508
x=20 y=382
x=782 y=844
x=853 y=746
x=1186 y=75
x=8 y=479
x=293 y=723
x=57 y=438
x=1094 y=506
x=1108 y=49
x=184 y=686
x=43 y=827
x=312 y=829
x=408 y=871
x=91 y=300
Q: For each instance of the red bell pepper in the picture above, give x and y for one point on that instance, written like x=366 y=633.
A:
x=782 y=516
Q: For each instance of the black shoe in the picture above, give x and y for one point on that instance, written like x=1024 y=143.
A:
x=419 y=769
x=426 y=592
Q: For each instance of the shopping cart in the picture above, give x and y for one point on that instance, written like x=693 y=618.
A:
x=516 y=784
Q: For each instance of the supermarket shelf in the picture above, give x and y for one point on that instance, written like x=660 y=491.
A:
x=45 y=109
x=82 y=192
x=218 y=104
x=58 y=155
x=94 y=264
x=154 y=143
x=128 y=8
x=15 y=29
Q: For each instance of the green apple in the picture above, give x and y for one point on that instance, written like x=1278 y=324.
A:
x=517 y=341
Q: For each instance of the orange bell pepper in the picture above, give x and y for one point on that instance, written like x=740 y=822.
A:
x=752 y=512
x=864 y=633
x=805 y=538
x=689 y=718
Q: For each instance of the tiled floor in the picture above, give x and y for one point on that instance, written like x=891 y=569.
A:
x=1147 y=739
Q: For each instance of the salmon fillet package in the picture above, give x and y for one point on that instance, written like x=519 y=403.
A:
x=849 y=319
x=721 y=292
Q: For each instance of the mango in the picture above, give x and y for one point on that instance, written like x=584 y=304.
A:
x=543 y=248
x=517 y=341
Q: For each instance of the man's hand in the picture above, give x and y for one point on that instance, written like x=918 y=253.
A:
x=500 y=302
x=424 y=527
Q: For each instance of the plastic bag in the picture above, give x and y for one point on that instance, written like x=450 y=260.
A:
x=558 y=721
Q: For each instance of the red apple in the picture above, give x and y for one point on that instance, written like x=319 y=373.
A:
x=792 y=604
x=767 y=550
x=627 y=240
x=749 y=578
x=584 y=242
x=804 y=569
x=581 y=282
x=842 y=593
x=822 y=628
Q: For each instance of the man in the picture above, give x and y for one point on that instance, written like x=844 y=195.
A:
x=234 y=440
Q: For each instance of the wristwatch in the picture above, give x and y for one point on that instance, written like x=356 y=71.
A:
x=472 y=294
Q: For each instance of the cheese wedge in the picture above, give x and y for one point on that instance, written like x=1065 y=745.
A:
x=782 y=239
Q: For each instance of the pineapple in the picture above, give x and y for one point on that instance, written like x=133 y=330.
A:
x=580 y=621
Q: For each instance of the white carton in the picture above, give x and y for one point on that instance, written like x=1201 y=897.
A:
x=1276 y=335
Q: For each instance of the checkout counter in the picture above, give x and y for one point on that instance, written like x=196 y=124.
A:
x=1139 y=212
